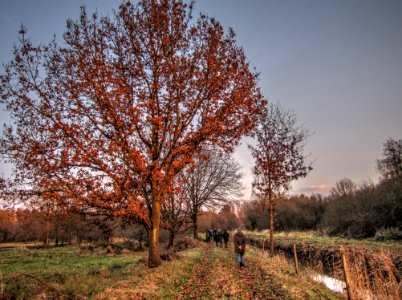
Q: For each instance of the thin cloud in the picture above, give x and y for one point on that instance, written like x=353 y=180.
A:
x=321 y=189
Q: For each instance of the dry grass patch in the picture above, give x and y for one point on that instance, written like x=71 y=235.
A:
x=157 y=283
x=283 y=273
x=372 y=275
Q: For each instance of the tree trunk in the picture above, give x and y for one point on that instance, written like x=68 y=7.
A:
x=171 y=239
x=56 y=232
x=195 y=226
x=271 y=224
x=154 y=257
x=47 y=239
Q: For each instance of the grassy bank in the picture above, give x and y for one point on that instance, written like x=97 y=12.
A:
x=373 y=267
x=315 y=238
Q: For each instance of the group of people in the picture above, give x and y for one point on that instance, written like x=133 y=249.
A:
x=218 y=236
x=239 y=242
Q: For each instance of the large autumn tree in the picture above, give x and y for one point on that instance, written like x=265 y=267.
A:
x=279 y=157
x=115 y=111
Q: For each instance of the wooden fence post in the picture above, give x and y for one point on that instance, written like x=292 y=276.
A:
x=346 y=273
x=1 y=286
x=296 y=260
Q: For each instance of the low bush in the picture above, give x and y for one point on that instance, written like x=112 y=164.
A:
x=386 y=234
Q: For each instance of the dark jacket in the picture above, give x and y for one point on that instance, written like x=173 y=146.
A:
x=239 y=241
x=218 y=236
x=225 y=236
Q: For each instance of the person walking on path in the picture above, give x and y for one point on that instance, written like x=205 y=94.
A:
x=239 y=241
x=218 y=238
x=225 y=237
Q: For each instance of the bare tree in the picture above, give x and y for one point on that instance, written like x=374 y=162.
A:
x=279 y=156
x=175 y=212
x=211 y=183
x=391 y=165
x=343 y=188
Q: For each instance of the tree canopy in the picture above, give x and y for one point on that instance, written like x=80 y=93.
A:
x=279 y=152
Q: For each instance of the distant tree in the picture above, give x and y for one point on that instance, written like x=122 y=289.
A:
x=391 y=165
x=175 y=212
x=31 y=225
x=387 y=210
x=207 y=220
x=121 y=107
x=77 y=228
x=211 y=183
x=299 y=212
x=279 y=157
x=352 y=214
x=255 y=213
x=343 y=187
x=369 y=209
x=36 y=197
x=227 y=218
x=8 y=225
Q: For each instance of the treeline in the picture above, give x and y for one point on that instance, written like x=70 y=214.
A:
x=202 y=199
x=35 y=225
x=353 y=211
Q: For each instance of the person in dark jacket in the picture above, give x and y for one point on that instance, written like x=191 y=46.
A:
x=239 y=241
x=225 y=237
x=208 y=235
x=218 y=238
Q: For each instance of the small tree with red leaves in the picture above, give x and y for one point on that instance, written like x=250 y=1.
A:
x=279 y=157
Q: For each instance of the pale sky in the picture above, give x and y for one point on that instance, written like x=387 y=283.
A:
x=336 y=63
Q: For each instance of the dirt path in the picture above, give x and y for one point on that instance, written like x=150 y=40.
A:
x=208 y=272
x=217 y=276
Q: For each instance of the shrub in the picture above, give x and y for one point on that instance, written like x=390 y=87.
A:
x=365 y=212
x=385 y=234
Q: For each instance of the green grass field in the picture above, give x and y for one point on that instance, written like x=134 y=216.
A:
x=62 y=268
